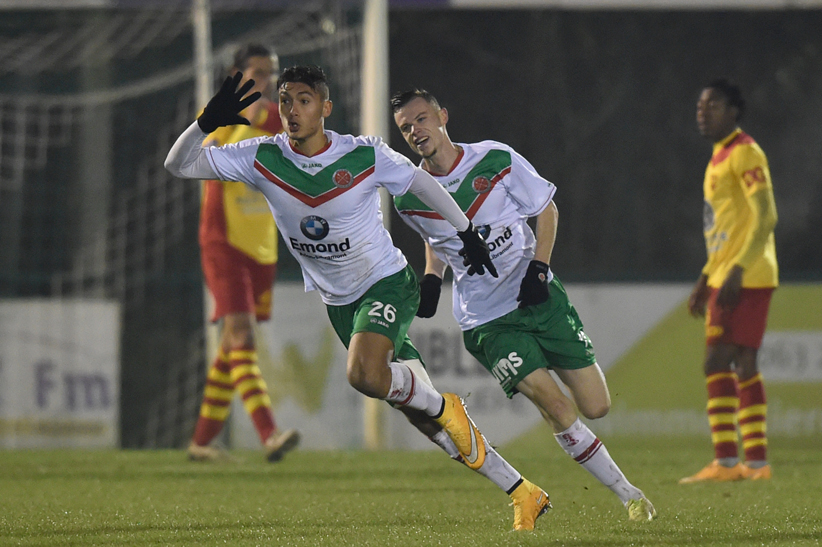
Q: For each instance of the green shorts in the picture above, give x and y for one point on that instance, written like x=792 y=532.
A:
x=387 y=308
x=549 y=335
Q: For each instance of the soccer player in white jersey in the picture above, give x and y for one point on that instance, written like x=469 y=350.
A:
x=322 y=189
x=521 y=324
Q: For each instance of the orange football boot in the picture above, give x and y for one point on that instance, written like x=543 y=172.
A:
x=714 y=472
x=757 y=474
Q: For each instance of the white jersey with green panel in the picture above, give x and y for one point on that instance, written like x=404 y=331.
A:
x=498 y=190
x=327 y=206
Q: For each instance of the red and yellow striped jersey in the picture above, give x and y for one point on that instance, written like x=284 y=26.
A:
x=234 y=212
x=740 y=213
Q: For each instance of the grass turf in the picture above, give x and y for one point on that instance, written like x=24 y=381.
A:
x=134 y=498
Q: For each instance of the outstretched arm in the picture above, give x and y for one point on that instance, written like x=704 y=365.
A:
x=435 y=196
x=187 y=158
x=475 y=251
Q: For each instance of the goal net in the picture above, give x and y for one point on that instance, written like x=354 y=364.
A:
x=91 y=99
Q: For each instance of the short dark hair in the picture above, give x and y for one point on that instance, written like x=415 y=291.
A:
x=731 y=92
x=310 y=75
x=246 y=52
x=402 y=98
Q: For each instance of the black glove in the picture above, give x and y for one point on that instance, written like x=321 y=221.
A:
x=430 y=288
x=534 y=287
x=475 y=253
x=224 y=108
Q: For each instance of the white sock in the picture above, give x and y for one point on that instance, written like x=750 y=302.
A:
x=495 y=468
x=580 y=443
x=442 y=440
x=408 y=390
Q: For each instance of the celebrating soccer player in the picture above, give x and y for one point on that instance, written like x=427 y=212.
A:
x=322 y=188
x=522 y=324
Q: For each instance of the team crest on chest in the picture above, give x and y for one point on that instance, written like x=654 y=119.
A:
x=481 y=184
x=314 y=227
x=343 y=178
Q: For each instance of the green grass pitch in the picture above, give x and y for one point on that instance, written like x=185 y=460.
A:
x=135 y=498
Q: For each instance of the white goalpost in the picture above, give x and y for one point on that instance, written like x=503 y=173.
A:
x=374 y=121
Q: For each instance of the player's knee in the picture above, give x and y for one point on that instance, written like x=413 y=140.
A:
x=558 y=409
x=594 y=404
x=356 y=377
x=596 y=410
x=238 y=337
x=363 y=382
x=719 y=358
x=745 y=364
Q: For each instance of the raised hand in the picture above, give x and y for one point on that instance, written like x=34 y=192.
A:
x=224 y=108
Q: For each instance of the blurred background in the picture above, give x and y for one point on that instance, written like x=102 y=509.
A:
x=98 y=243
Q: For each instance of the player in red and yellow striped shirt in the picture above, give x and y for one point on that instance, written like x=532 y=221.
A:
x=238 y=247
x=735 y=286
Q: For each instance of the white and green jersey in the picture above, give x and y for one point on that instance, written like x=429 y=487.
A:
x=327 y=207
x=498 y=190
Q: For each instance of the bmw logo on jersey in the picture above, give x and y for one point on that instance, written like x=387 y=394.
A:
x=314 y=227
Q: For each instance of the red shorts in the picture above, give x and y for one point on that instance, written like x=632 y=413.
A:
x=238 y=283
x=742 y=326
